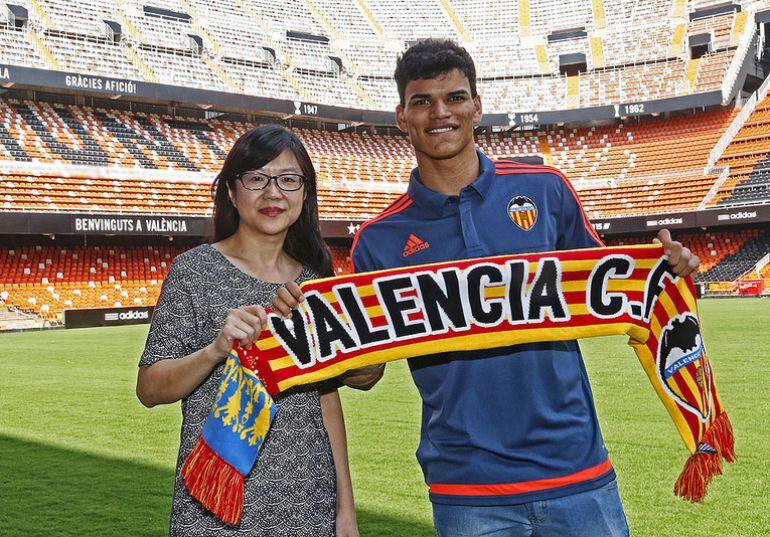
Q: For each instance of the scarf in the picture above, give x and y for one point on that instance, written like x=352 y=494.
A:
x=371 y=318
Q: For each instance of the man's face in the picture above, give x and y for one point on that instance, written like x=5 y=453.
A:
x=439 y=114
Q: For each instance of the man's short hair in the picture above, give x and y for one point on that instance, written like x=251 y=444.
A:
x=430 y=58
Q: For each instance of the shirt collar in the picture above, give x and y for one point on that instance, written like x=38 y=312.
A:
x=436 y=202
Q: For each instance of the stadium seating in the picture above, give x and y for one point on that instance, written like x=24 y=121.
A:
x=46 y=280
x=343 y=53
x=712 y=247
x=748 y=157
x=625 y=168
x=736 y=263
x=341 y=259
x=90 y=54
x=81 y=19
x=17 y=49
x=57 y=194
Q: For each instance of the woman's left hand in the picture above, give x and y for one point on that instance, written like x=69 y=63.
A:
x=347 y=524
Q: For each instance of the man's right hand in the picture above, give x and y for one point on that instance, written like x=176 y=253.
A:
x=363 y=378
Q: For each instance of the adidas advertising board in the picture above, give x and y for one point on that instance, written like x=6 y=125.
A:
x=87 y=318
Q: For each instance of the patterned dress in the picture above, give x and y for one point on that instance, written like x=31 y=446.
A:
x=291 y=491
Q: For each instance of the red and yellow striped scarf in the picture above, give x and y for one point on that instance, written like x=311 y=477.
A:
x=376 y=317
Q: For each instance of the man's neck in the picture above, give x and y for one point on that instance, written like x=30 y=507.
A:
x=449 y=176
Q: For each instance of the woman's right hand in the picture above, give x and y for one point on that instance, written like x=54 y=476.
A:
x=245 y=324
x=168 y=381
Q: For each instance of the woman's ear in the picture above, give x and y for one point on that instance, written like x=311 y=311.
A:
x=231 y=195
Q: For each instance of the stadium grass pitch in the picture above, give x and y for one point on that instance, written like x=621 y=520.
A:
x=79 y=456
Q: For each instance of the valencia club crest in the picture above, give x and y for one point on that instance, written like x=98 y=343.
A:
x=523 y=212
x=682 y=365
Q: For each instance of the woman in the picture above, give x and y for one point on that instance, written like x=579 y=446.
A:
x=266 y=233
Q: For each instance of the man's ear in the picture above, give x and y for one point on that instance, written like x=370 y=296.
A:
x=401 y=119
x=478 y=112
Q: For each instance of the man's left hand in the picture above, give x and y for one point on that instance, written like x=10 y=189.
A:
x=681 y=259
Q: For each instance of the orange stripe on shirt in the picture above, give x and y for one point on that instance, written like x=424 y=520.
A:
x=521 y=487
x=397 y=206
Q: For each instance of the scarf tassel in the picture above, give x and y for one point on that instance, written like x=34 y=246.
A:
x=214 y=483
x=718 y=443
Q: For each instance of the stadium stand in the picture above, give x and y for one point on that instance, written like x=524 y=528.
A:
x=712 y=247
x=16 y=48
x=616 y=168
x=41 y=281
x=727 y=257
x=39 y=193
x=341 y=259
x=748 y=157
x=738 y=262
x=343 y=53
x=56 y=156
x=90 y=54
x=45 y=280
x=634 y=158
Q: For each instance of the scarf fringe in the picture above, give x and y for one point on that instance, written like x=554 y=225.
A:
x=720 y=435
x=718 y=443
x=214 y=483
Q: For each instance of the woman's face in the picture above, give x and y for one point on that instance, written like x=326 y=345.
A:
x=270 y=210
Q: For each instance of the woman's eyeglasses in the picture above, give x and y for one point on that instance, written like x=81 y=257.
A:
x=288 y=182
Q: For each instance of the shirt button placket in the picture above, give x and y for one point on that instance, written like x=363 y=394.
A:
x=473 y=245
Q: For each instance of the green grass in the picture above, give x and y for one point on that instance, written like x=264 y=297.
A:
x=80 y=456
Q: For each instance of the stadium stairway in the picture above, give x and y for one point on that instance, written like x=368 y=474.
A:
x=11 y=318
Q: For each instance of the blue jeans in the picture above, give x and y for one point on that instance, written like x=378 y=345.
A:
x=596 y=513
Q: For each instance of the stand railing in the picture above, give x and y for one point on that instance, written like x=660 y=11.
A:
x=737 y=124
x=724 y=173
x=749 y=38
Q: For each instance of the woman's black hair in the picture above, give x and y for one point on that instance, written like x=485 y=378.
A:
x=251 y=151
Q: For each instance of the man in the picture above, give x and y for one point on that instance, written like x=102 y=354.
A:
x=510 y=443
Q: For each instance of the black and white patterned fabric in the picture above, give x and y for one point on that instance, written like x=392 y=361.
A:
x=291 y=491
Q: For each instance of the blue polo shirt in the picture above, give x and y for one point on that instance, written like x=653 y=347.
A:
x=508 y=425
